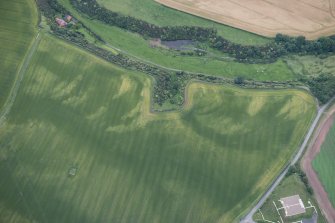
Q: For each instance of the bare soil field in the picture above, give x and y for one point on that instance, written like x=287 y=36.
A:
x=310 y=18
x=315 y=146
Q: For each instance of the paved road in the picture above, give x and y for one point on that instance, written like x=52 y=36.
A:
x=248 y=217
x=11 y=98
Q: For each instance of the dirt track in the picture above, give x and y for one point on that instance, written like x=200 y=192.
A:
x=312 y=151
x=310 y=18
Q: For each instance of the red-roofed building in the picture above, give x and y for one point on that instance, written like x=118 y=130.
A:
x=61 y=22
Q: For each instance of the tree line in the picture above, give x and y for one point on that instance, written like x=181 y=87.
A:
x=282 y=44
x=169 y=85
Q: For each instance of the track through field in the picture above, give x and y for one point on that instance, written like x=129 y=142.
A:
x=11 y=98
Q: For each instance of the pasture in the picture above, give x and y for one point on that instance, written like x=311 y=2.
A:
x=308 y=18
x=136 y=46
x=80 y=145
x=153 y=12
x=324 y=164
x=311 y=66
x=17 y=30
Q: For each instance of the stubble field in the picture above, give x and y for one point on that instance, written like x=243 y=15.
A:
x=207 y=163
x=308 y=18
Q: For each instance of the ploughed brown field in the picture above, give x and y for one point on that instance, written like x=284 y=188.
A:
x=310 y=18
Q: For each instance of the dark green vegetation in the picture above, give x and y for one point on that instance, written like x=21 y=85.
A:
x=296 y=170
x=283 y=45
x=317 y=72
x=218 y=64
x=291 y=185
x=323 y=87
x=324 y=164
x=207 y=163
x=206 y=65
x=17 y=29
x=155 y=13
x=169 y=83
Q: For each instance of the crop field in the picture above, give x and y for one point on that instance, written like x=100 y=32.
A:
x=17 y=29
x=139 y=47
x=308 y=18
x=324 y=164
x=80 y=145
x=155 y=13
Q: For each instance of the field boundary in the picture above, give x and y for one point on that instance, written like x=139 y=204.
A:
x=247 y=26
x=313 y=149
x=20 y=74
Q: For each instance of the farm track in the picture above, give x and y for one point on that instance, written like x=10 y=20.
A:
x=321 y=110
x=16 y=86
x=313 y=150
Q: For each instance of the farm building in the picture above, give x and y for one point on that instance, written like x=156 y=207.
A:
x=61 y=22
x=68 y=18
x=292 y=205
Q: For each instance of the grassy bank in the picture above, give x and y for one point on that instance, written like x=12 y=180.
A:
x=153 y=12
x=139 y=47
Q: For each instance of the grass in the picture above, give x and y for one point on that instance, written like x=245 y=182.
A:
x=18 y=28
x=324 y=164
x=138 y=47
x=207 y=163
x=311 y=66
x=290 y=186
x=153 y=12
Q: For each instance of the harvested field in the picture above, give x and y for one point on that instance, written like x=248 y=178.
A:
x=80 y=145
x=309 y=18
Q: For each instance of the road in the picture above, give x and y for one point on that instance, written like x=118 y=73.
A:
x=248 y=217
x=22 y=70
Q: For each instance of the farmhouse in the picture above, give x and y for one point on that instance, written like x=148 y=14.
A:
x=61 y=22
x=292 y=205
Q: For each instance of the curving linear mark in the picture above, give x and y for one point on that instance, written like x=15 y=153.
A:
x=332 y=8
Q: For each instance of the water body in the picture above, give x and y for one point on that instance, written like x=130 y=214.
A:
x=179 y=44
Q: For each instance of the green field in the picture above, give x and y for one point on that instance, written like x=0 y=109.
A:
x=324 y=164
x=17 y=29
x=76 y=113
x=155 y=13
x=311 y=66
x=290 y=186
x=139 y=47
